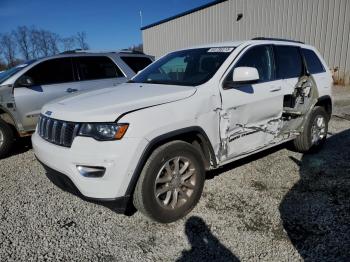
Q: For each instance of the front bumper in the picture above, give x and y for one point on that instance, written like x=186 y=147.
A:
x=118 y=157
x=119 y=204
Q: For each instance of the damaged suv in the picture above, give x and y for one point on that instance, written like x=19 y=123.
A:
x=150 y=141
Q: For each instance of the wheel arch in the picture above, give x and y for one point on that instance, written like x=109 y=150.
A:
x=194 y=135
x=7 y=118
x=326 y=103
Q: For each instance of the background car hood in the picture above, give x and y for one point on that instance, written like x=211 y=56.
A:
x=106 y=105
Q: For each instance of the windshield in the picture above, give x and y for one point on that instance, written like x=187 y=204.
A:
x=10 y=72
x=187 y=67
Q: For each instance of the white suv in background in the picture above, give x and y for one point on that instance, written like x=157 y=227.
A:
x=152 y=139
x=24 y=89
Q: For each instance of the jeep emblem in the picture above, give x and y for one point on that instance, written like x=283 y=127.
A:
x=49 y=113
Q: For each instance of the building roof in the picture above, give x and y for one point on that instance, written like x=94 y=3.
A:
x=183 y=14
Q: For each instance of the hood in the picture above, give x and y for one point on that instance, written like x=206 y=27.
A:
x=106 y=105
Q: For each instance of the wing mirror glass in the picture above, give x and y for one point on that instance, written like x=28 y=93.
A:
x=245 y=75
x=25 y=81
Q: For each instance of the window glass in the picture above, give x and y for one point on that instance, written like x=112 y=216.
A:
x=52 y=71
x=261 y=58
x=97 y=67
x=313 y=63
x=4 y=75
x=136 y=63
x=190 y=67
x=289 y=63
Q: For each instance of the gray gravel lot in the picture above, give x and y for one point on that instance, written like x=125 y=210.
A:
x=275 y=206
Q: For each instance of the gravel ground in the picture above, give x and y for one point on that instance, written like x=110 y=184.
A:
x=278 y=205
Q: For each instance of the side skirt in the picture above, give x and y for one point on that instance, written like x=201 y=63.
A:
x=255 y=151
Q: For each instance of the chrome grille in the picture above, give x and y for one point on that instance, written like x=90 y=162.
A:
x=57 y=131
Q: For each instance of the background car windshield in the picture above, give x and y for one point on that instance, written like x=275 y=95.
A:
x=10 y=72
x=188 y=67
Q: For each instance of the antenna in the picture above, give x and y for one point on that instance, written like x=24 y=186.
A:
x=141 y=18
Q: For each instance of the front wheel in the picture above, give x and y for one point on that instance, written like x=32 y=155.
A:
x=171 y=182
x=6 y=138
x=315 y=131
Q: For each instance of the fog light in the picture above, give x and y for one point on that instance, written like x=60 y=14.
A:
x=91 y=171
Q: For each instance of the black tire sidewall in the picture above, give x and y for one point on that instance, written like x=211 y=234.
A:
x=7 y=133
x=317 y=111
x=154 y=209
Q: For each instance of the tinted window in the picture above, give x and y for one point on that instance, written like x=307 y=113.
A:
x=289 y=62
x=52 y=71
x=313 y=63
x=97 y=67
x=260 y=57
x=136 y=63
x=187 y=67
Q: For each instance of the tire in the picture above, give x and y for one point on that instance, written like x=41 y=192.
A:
x=6 y=138
x=159 y=174
x=305 y=142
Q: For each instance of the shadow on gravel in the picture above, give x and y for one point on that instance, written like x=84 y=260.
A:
x=204 y=245
x=316 y=211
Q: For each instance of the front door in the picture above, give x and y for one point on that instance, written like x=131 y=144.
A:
x=249 y=111
x=45 y=82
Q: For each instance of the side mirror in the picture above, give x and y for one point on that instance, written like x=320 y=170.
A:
x=25 y=81
x=245 y=75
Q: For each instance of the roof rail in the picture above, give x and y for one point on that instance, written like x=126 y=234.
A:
x=277 y=39
x=125 y=51
x=128 y=51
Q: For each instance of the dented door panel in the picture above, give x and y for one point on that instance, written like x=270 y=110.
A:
x=247 y=112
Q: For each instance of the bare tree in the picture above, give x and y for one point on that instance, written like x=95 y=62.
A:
x=68 y=43
x=44 y=43
x=22 y=36
x=81 y=40
x=8 y=46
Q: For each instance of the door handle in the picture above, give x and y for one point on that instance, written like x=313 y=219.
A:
x=275 y=88
x=71 y=90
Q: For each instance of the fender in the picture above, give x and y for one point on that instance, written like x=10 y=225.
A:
x=159 y=140
x=10 y=120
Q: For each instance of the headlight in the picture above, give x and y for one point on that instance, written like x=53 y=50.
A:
x=103 y=131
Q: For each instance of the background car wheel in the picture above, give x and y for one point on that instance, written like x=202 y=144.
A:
x=6 y=138
x=171 y=182
x=315 y=131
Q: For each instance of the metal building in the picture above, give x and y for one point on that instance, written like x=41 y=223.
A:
x=324 y=24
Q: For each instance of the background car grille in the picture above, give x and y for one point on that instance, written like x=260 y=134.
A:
x=56 y=131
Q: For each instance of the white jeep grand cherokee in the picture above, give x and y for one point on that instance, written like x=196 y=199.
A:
x=152 y=139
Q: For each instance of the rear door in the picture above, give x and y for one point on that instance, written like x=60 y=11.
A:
x=318 y=71
x=50 y=79
x=248 y=109
x=96 y=72
x=289 y=66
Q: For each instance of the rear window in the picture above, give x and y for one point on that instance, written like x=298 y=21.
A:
x=97 y=67
x=136 y=63
x=313 y=63
x=289 y=62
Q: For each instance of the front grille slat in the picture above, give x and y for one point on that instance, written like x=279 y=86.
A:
x=56 y=131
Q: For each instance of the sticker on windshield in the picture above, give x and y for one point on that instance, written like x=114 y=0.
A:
x=220 y=50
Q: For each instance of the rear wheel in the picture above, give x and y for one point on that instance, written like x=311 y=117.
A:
x=6 y=138
x=315 y=131
x=171 y=182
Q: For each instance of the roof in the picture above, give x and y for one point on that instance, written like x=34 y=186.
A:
x=183 y=14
